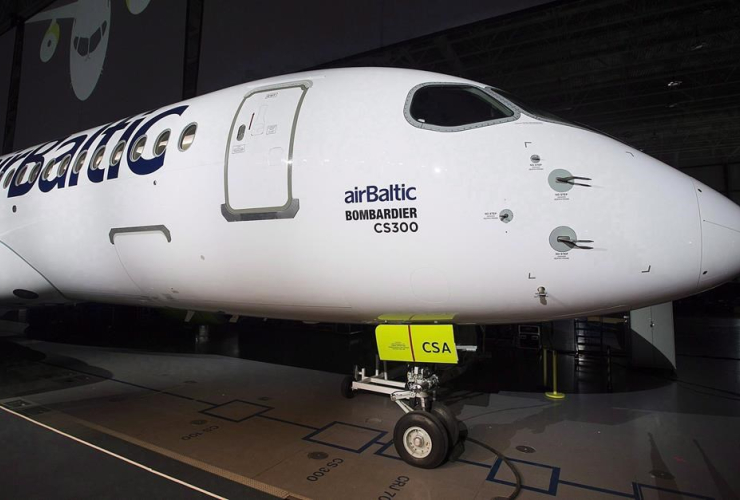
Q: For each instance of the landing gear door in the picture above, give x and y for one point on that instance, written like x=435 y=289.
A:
x=259 y=155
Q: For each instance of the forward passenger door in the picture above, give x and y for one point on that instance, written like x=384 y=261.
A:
x=259 y=155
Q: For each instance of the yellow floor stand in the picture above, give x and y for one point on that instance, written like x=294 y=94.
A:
x=554 y=394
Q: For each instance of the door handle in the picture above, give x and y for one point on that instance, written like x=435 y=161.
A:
x=571 y=180
x=140 y=229
x=575 y=243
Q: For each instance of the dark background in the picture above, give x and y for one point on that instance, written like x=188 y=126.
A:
x=142 y=70
x=244 y=41
x=6 y=58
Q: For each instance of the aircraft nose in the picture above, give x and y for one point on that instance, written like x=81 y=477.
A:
x=720 y=227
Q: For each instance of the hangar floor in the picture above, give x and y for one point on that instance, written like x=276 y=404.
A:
x=240 y=428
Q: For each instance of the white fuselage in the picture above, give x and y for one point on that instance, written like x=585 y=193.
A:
x=255 y=222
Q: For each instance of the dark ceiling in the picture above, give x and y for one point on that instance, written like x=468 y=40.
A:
x=660 y=75
x=14 y=11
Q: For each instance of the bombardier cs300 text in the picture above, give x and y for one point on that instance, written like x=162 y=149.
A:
x=372 y=195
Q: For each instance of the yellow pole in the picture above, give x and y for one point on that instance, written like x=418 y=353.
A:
x=555 y=394
x=544 y=367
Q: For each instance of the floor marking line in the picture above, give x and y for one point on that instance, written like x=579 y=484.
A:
x=596 y=488
x=131 y=384
x=124 y=459
x=213 y=469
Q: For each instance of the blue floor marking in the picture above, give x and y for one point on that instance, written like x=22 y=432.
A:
x=600 y=490
x=554 y=478
x=236 y=421
x=311 y=437
x=639 y=486
x=381 y=451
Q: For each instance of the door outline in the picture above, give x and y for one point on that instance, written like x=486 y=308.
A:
x=290 y=208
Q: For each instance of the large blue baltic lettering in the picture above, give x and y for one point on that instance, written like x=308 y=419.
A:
x=145 y=166
x=72 y=147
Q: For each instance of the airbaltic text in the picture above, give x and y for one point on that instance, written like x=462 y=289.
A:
x=371 y=194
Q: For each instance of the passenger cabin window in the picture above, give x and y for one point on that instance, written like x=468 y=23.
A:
x=117 y=153
x=240 y=133
x=160 y=145
x=21 y=175
x=455 y=106
x=97 y=158
x=187 y=137
x=47 y=170
x=80 y=162
x=138 y=149
x=64 y=166
x=35 y=173
x=8 y=178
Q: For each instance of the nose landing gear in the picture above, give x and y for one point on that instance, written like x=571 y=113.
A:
x=428 y=430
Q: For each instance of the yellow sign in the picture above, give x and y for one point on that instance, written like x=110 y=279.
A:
x=416 y=343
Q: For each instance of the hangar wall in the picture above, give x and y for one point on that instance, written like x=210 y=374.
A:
x=139 y=68
x=6 y=60
x=252 y=40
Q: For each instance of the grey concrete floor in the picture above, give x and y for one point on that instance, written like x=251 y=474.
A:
x=278 y=428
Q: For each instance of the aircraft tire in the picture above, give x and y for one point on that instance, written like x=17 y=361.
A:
x=421 y=439
x=448 y=419
x=346 y=387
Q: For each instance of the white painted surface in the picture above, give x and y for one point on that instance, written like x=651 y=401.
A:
x=642 y=215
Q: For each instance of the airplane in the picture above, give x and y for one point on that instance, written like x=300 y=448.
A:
x=414 y=201
x=88 y=41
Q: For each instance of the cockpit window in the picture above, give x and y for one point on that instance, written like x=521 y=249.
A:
x=87 y=45
x=95 y=40
x=529 y=109
x=82 y=46
x=543 y=115
x=452 y=107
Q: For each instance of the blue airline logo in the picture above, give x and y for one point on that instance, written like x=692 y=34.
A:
x=372 y=194
x=57 y=150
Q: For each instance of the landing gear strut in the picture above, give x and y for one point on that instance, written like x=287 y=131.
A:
x=428 y=431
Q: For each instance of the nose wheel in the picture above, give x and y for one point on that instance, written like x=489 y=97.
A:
x=428 y=431
x=445 y=415
x=421 y=439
